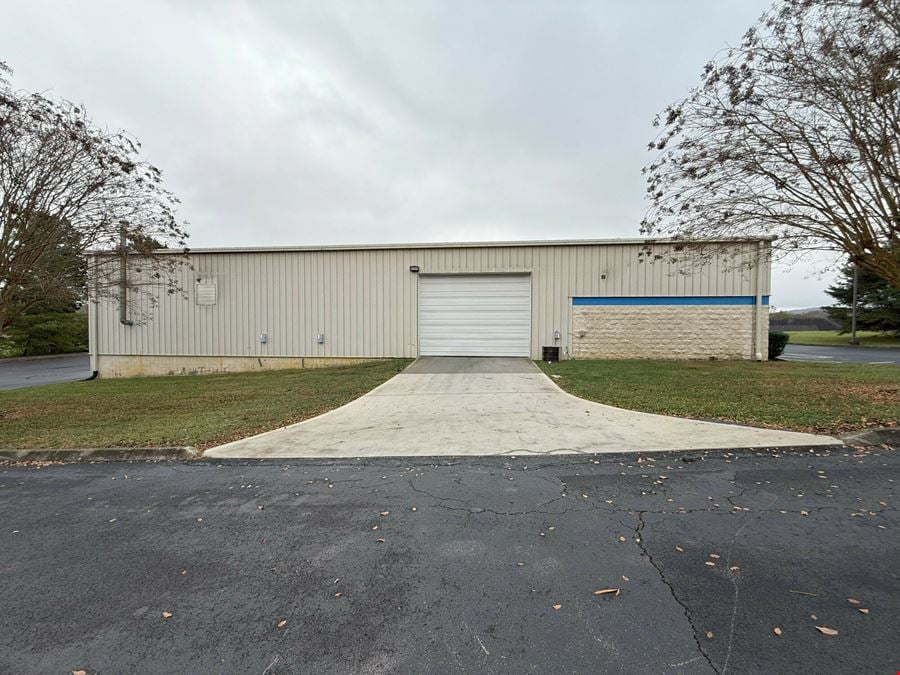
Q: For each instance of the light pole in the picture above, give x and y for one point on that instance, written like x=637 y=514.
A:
x=853 y=340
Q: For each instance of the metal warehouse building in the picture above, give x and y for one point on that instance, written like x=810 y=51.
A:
x=257 y=308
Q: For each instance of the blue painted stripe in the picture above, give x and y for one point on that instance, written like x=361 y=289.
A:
x=673 y=300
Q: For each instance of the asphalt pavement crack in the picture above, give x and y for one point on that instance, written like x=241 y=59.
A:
x=687 y=613
x=481 y=509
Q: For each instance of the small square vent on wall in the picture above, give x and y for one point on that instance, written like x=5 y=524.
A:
x=205 y=291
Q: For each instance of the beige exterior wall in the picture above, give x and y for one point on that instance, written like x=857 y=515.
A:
x=364 y=300
x=666 y=332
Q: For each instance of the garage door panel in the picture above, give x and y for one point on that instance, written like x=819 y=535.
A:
x=474 y=315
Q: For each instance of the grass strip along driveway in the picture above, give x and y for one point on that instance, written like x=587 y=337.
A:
x=830 y=338
x=199 y=411
x=811 y=397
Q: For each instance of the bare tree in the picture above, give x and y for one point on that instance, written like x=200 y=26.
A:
x=793 y=134
x=68 y=187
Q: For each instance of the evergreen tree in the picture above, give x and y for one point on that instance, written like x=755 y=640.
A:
x=877 y=303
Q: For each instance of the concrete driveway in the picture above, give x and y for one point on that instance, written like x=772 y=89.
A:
x=490 y=406
x=30 y=372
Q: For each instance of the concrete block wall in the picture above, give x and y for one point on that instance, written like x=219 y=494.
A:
x=666 y=332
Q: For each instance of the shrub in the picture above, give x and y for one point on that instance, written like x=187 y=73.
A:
x=777 y=342
x=46 y=333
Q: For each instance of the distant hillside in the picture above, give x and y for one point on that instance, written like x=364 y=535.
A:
x=810 y=312
x=809 y=318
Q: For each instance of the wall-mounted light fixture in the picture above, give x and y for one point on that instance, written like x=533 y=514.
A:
x=413 y=268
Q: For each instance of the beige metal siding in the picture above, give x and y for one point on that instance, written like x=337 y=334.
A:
x=364 y=300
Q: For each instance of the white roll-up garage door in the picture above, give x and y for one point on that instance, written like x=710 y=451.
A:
x=475 y=315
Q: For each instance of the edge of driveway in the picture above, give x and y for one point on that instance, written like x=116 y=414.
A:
x=817 y=439
x=309 y=419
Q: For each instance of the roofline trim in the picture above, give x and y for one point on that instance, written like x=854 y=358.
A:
x=453 y=244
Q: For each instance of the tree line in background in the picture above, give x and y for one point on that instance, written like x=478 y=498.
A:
x=878 y=307
x=51 y=293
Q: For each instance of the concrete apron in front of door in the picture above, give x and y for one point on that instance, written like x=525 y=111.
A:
x=489 y=406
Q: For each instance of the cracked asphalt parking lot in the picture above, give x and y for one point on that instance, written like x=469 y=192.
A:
x=454 y=565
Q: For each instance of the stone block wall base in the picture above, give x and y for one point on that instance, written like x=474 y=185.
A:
x=665 y=332
x=110 y=366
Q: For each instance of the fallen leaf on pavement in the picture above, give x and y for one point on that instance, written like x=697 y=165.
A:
x=607 y=591
x=776 y=630
x=825 y=630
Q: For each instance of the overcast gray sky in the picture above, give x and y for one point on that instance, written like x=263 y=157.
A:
x=282 y=122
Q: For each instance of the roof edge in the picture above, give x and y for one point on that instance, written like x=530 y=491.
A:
x=456 y=244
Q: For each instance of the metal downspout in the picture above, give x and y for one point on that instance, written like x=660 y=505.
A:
x=758 y=306
x=93 y=327
x=123 y=279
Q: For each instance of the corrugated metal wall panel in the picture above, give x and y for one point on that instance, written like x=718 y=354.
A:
x=364 y=300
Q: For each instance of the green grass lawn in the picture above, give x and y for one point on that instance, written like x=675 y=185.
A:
x=828 y=398
x=833 y=339
x=171 y=411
